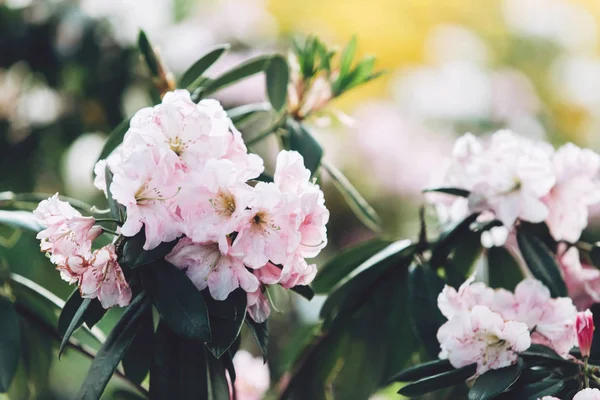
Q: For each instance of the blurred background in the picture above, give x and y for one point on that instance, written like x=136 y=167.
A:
x=69 y=73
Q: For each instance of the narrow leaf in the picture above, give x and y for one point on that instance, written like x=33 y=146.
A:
x=304 y=143
x=449 y=190
x=361 y=208
x=439 y=381
x=278 y=76
x=148 y=54
x=138 y=357
x=94 y=313
x=114 y=139
x=242 y=113
x=68 y=311
x=242 y=71
x=304 y=291
x=422 y=370
x=164 y=371
x=112 y=351
x=260 y=332
x=117 y=210
x=20 y=220
x=226 y=319
x=76 y=321
x=200 y=66
x=180 y=304
x=10 y=343
x=542 y=263
x=347 y=57
x=496 y=381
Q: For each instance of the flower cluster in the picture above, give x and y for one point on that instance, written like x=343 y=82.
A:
x=67 y=239
x=490 y=327
x=183 y=172
x=512 y=178
x=584 y=394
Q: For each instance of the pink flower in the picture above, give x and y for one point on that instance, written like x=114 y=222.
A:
x=587 y=394
x=583 y=280
x=293 y=178
x=297 y=272
x=206 y=266
x=267 y=229
x=585 y=331
x=252 y=376
x=104 y=279
x=259 y=308
x=146 y=184
x=577 y=188
x=483 y=337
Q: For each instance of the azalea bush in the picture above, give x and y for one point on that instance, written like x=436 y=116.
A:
x=493 y=297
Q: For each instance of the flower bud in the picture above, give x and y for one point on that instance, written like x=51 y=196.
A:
x=585 y=331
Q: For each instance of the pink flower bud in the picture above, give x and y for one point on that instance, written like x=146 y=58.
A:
x=585 y=331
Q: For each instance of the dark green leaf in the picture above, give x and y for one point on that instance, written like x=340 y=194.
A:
x=304 y=291
x=304 y=143
x=134 y=254
x=422 y=370
x=200 y=66
x=164 y=371
x=496 y=381
x=345 y=262
x=503 y=270
x=226 y=319
x=534 y=375
x=278 y=76
x=537 y=390
x=242 y=71
x=227 y=360
x=448 y=190
x=20 y=220
x=37 y=356
x=450 y=238
x=361 y=208
x=260 y=332
x=193 y=371
x=76 y=319
x=439 y=381
x=117 y=210
x=114 y=139
x=138 y=357
x=10 y=343
x=540 y=352
x=112 y=351
x=218 y=386
x=424 y=286
x=94 y=313
x=595 y=255
x=148 y=54
x=180 y=304
x=542 y=263
x=69 y=310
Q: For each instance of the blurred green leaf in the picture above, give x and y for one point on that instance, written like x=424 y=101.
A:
x=439 y=381
x=148 y=53
x=226 y=319
x=236 y=74
x=304 y=291
x=542 y=263
x=242 y=113
x=423 y=370
x=301 y=140
x=190 y=76
x=495 y=382
x=20 y=220
x=277 y=76
x=75 y=316
x=180 y=304
x=503 y=269
x=114 y=139
x=260 y=332
x=361 y=208
x=449 y=190
x=345 y=262
x=450 y=239
x=112 y=351
x=346 y=57
x=10 y=343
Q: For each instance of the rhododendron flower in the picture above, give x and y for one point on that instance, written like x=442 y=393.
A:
x=267 y=231
x=584 y=326
x=104 y=279
x=259 y=308
x=587 y=394
x=577 y=187
x=452 y=302
x=292 y=177
x=297 y=272
x=582 y=279
x=483 y=337
x=252 y=376
x=146 y=184
x=206 y=266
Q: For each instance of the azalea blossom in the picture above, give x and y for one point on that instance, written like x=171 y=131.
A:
x=483 y=337
x=297 y=272
x=588 y=394
x=104 y=279
x=252 y=376
x=206 y=266
x=577 y=188
x=581 y=278
x=259 y=308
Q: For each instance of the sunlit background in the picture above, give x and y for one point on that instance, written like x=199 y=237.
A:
x=69 y=73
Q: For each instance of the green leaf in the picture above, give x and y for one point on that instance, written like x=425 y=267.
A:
x=69 y=310
x=260 y=332
x=439 y=381
x=218 y=388
x=76 y=319
x=540 y=352
x=346 y=57
x=503 y=270
x=179 y=303
x=496 y=381
x=193 y=371
x=10 y=343
x=424 y=286
x=226 y=319
x=138 y=357
x=20 y=220
x=278 y=76
x=542 y=263
x=199 y=67
x=304 y=291
x=361 y=208
x=114 y=139
x=164 y=371
x=449 y=190
x=134 y=254
x=421 y=371
x=117 y=210
x=242 y=71
x=242 y=113
x=595 y=255
x=345 y=262
x=450 y=239
x=547 y=387
x=148 y=53
x=301 y=140
x=112 y=351
x=94 y=313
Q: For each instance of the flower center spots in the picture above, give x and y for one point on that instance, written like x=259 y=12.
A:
x=177 y=145
x=224 y=203
x=262 y=221
x=147 y=194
